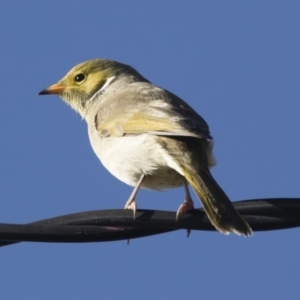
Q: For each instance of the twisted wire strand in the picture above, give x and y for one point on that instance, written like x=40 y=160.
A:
x=118 y=224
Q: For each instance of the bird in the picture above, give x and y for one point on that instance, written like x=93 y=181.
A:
x=147 y=137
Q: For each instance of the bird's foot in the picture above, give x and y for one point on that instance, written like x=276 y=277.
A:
x=131 y=204
x=187 y=205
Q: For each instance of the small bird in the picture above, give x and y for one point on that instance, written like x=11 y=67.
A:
x=147 y=137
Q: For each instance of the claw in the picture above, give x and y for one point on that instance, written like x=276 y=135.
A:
x=187 y=205
x=131 y=205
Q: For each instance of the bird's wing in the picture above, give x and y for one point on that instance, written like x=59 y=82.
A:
x=145 y=108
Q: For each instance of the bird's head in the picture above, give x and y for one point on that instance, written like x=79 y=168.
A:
x=80 y=86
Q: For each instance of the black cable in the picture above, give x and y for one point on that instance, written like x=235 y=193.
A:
x=113 y=225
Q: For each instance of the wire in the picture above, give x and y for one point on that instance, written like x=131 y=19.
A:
x=114 y=225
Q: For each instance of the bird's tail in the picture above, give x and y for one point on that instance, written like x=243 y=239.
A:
x=217 y=206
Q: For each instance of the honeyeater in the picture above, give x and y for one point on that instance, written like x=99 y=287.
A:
x=147 y=137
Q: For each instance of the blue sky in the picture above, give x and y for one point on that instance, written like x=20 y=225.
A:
x=236 y=62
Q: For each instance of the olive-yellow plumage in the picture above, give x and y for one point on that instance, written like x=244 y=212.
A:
x=147 y=137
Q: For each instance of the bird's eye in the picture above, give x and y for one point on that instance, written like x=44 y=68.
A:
x=79 y=77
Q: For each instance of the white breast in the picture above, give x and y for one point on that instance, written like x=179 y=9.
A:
x=128 y=157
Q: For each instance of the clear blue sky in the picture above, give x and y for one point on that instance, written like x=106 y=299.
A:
x=236 y=62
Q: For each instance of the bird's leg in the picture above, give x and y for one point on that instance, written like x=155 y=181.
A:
x=131 y=203
x=188 y=203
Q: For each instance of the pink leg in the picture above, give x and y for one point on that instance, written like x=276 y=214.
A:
x=131 y=203
x=188 y=203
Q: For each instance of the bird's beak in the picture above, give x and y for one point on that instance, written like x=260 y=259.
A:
x=53 y=89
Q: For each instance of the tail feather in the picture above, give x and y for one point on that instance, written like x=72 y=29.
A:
x=217 y=206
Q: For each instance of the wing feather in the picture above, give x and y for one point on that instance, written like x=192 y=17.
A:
x=144 y=108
